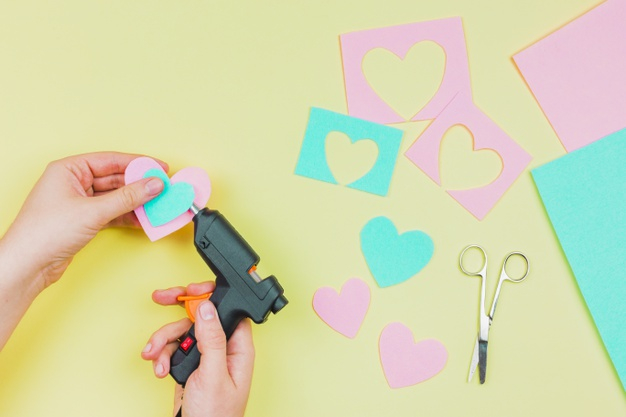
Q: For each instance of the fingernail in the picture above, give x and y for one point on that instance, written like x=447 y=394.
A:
x=158 y=369
x=154 y=186
x=207 y=310
x=147 y=348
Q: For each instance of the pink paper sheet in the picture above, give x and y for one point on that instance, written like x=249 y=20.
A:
x=487 y=135
x=578 y=75
x=363 y=102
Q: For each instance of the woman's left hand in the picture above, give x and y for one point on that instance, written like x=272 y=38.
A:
x=74 y=199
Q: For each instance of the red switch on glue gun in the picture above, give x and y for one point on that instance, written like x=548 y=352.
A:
x=239 y=290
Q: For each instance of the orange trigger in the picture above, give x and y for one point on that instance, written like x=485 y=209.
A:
x=191 y=303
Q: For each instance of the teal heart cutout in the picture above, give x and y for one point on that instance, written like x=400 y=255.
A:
x=392 y=257
x=174 y=200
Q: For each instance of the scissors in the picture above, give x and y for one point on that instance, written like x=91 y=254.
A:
x=479 y=357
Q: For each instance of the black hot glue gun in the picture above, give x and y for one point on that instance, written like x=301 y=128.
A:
x=239 y=291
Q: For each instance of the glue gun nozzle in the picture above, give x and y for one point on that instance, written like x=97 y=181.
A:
x=194 y=209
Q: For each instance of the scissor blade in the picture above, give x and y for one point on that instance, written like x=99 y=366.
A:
x=482 y=360
x=474 y=362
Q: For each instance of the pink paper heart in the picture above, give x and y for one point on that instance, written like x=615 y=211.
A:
x=197 y=177
x=343 y=312
x=408 y=363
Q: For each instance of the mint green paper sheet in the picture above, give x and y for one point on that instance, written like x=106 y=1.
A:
x=584 y=194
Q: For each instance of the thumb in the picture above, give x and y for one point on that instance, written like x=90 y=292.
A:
x=211 y=343
x=126 y=199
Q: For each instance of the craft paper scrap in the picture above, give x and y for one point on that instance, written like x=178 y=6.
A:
x=365 y=103
x=408 y=363
x=584 y=194
x=197 y=177
x=313 y=163
x=394 y=258
x=343 y=312
x=577 y=75
x=487 y=135
x=174 y=200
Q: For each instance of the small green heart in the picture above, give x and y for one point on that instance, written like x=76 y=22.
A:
x=392 y=257
x=174 y=200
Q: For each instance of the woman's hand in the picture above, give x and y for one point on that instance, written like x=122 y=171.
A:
x=74 y=199
x=221 y=384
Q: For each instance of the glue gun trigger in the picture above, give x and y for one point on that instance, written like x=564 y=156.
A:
x=192 y=302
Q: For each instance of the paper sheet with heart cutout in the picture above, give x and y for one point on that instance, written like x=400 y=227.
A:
x=405 y=362
x=312 y=162
x=577 y=75
x=343 y=312
x=487 y=135
x=364 y=102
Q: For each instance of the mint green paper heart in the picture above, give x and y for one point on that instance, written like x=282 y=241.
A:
x=392 y=257
x=174 y=200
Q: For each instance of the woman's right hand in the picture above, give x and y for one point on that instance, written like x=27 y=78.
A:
x=220 y=386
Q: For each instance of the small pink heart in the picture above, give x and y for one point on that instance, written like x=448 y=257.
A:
x=406 y=362
x=343 y=312
x=197 y=177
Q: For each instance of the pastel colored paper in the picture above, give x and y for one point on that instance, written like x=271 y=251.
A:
x=363 y=101
x=394 y=258
x=487 y=135
x=405 y=362
x=577 y=75
x=174 y=200
x=197 y=177
x=312 y=162
x=584 y=194
x=461 y=166
x=343 y=312
x=406 y=84
x=348 y=160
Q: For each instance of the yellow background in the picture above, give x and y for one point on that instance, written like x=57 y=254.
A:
x=227 y=86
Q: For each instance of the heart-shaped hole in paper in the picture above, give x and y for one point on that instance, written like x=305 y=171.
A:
x=406 y=83
x=460 y=166
x=348 y=161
